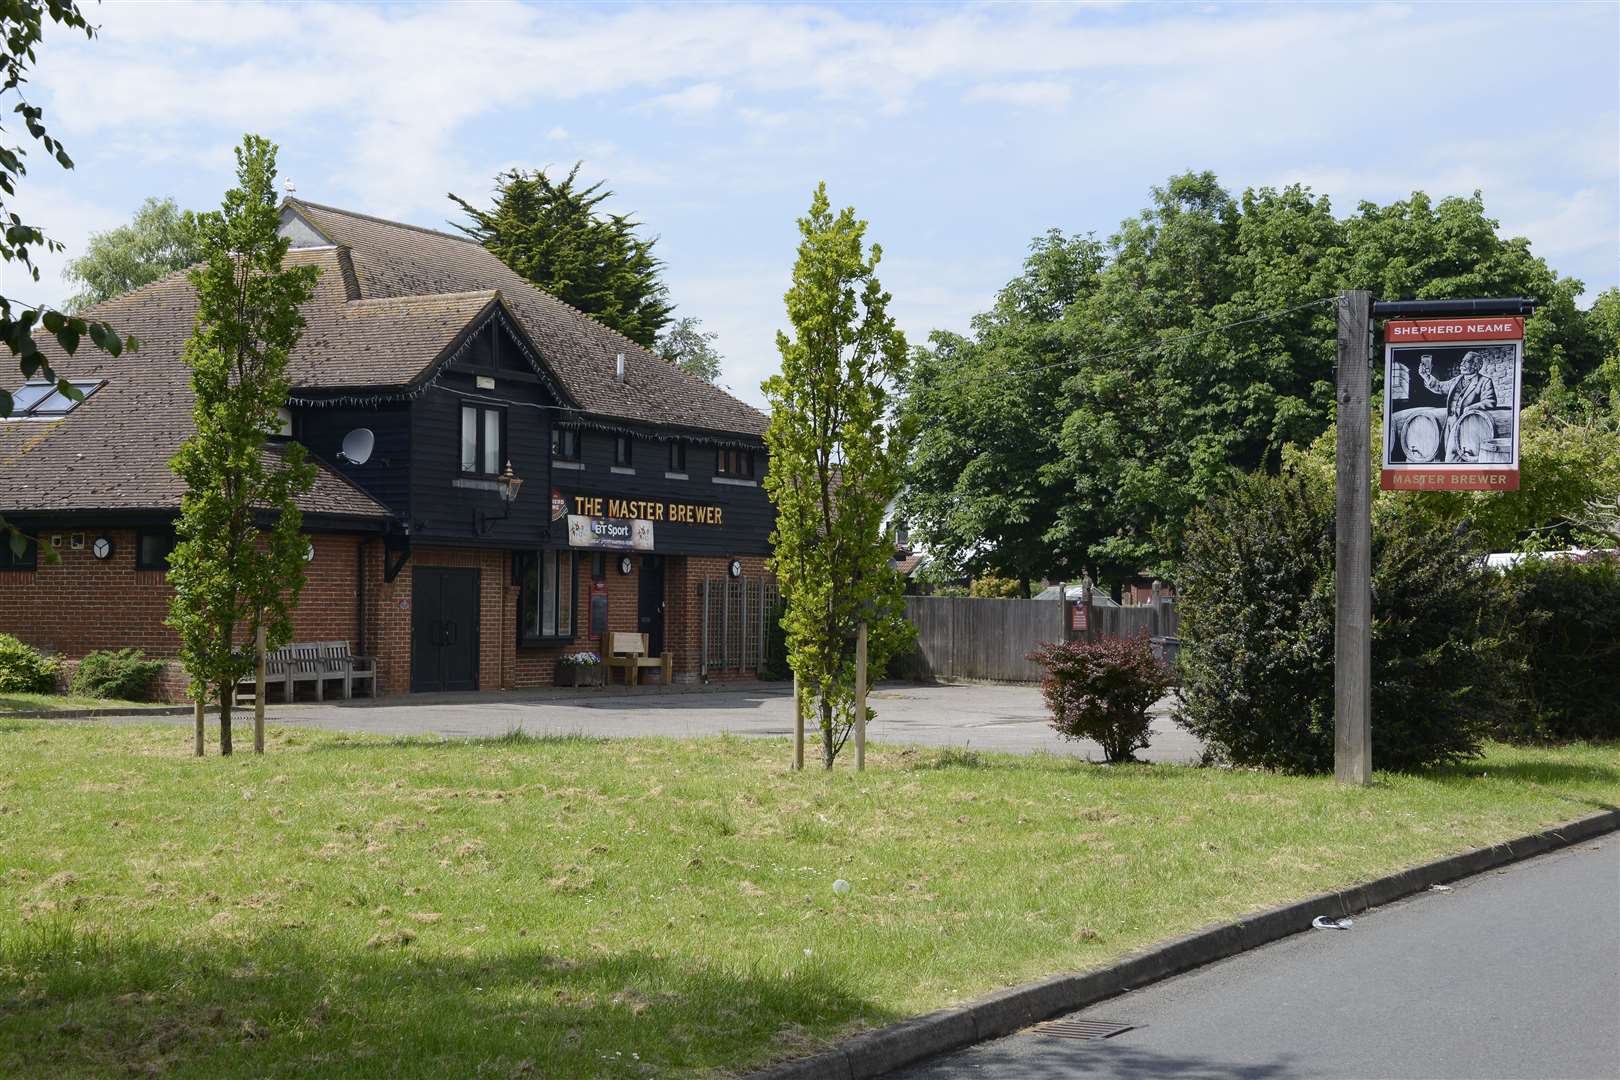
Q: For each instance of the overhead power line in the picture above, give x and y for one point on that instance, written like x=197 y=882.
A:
x=1138 y=350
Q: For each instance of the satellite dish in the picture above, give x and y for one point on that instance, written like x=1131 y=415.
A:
x=357 y=446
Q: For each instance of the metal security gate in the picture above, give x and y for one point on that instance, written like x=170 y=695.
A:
x=735 y=617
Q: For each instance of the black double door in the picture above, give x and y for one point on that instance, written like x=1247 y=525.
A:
x=444 y=628
x=650 y=603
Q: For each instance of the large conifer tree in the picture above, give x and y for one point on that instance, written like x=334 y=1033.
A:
x=555 y=235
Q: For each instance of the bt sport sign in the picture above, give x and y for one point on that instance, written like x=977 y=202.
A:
x=1451 y=404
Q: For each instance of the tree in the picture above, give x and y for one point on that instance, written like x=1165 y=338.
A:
x=691 y=348
x=836 y=453
x=981 y=489
x=161 y=239
x=1077 y=428
x=22 y=24
x=555 y=235
x=230 y=573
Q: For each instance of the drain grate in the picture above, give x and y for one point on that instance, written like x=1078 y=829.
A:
x=1082 y=1029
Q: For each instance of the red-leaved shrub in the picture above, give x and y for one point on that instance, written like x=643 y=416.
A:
x=1102 y=690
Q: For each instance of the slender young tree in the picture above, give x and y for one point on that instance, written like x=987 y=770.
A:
x=837 y=450
x=240 y=556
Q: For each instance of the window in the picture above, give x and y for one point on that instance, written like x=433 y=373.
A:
x=39 y=399
x=677 y=455
x=598 y=567
x=10 y=560
x=621 y=451
x=481 y=448
x=565 y=444
x=546 y=605
x=152 y=548
x=735 y=463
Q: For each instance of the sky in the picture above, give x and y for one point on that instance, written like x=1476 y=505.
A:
x=958 y=131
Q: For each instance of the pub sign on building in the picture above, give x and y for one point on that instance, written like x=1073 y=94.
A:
x=428 y=379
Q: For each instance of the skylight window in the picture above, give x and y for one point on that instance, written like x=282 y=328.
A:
x=40 y=400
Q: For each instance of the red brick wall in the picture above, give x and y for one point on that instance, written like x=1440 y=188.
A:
x=389 y=607
x=81 y=603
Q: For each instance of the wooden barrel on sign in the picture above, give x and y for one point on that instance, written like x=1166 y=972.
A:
x=1474 y=430
x=1418 y=434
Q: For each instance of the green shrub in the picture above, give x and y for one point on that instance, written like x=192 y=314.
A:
x=1257 y=625
x=1565 y=615
x=1102 y=690
x=23 y=670
x=995 y=588
x=125 y=674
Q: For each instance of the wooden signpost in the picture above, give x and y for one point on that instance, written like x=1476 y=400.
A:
x=1457 y=449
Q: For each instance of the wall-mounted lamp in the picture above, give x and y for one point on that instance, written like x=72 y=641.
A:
x=507 y=485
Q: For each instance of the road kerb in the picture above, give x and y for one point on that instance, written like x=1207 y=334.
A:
x=874 y=1053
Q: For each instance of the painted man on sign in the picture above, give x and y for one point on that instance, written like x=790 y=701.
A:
x=1470 y=390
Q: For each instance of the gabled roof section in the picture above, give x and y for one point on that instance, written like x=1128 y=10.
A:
x=397 y=345
x=300 y=233
x=396 y=260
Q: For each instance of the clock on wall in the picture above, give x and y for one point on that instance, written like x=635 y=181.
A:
x=625 y=564
x=735 y=569
x=101 y=547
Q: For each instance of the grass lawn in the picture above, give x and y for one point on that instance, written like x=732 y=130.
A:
x=571 y=907
x=36 y=703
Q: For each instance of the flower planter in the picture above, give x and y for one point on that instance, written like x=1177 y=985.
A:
x=579 y=674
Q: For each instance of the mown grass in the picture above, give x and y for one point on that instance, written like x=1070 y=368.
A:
x=18 y=702
x=576 y=907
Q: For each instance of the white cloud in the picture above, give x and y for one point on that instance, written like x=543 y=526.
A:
x=696 y=99
x=1027 y=95
x=388 y=107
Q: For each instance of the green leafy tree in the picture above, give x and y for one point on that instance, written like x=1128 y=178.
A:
x=557 y=236
x=22 y=25
x=229 y=571
x=691 y=348
x=981 y=487
x=836 y=453
x=160 y=239
x=1080 y=431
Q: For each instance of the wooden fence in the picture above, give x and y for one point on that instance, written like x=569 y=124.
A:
x=960 y=637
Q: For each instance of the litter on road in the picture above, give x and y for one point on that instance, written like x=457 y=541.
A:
x=1325 y=922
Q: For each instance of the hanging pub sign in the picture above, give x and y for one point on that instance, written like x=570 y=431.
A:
x=606 y=532
x=1451 y=404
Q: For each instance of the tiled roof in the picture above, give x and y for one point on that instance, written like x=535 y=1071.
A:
x=390 y=302
x=112 y=452
x=394 y=260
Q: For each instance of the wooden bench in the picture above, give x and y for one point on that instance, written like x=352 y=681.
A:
x=316 y=663
x=628 y=653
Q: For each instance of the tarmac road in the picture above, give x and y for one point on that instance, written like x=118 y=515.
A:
x=1515 y=973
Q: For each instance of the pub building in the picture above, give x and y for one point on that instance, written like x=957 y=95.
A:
x=501 y=479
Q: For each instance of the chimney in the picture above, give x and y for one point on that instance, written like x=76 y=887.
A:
x=618 y=369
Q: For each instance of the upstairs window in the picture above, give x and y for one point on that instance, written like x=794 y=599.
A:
x=482 y=446
x=735 y=463
x=565 y=444
x=677 y=456
x=621 y=450
x=41 y=400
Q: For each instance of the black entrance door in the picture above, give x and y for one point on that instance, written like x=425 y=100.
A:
x=444 y=628
x=650 y=603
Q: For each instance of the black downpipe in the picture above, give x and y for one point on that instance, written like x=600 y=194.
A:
x=360 y=597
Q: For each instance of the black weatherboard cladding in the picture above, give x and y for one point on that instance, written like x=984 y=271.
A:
x=746 y=512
